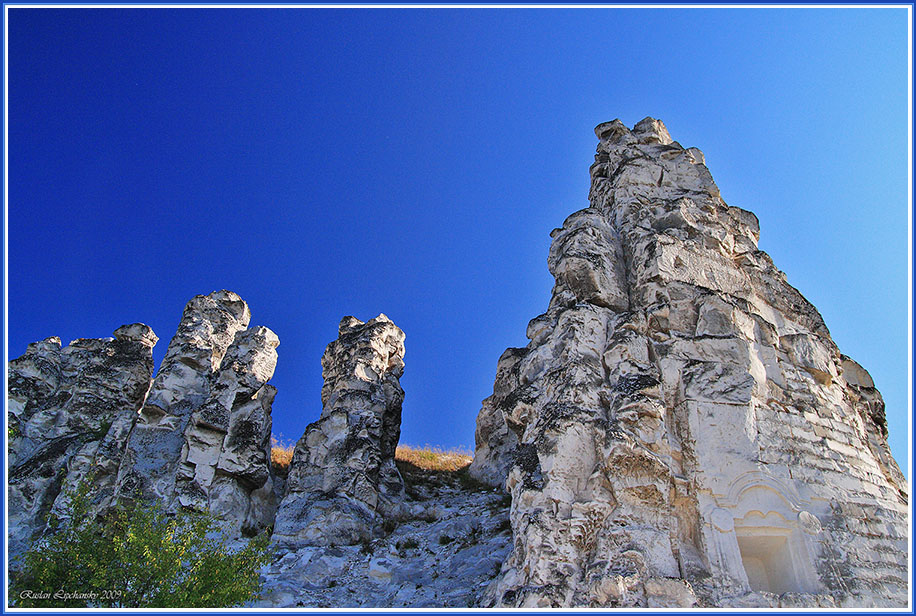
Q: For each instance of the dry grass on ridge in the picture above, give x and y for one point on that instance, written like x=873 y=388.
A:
x=428 y=458
x=281 y=454
x=431 y=458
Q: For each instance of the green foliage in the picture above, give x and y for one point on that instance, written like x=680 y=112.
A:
x=12 y=430
x=136 y=557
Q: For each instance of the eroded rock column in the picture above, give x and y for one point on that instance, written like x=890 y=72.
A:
x=202 y=439
x=343 y=480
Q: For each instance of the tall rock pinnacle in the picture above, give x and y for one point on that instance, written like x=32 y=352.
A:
x=342 y=479
x=197 y=436
x=681 y=430
x=202 y=438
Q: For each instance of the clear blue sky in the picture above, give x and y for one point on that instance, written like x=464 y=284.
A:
x=337 y=162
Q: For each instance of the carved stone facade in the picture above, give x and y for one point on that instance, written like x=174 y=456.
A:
x=681 y=430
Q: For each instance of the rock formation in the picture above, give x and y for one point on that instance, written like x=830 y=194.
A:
x=681 y=430
x=67 y=411
x=351 y=530
x=343 y=480
x=202 y=439
x=442 y=551
x=197 y=437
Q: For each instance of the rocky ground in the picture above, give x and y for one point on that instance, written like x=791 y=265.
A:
x=444 y=554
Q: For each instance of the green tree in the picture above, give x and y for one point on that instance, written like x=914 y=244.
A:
x=136 y=556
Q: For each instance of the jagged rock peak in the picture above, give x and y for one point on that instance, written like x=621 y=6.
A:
x=647 y=131
x=137 y=332
x=207 y=328
x=202 y=438
x=681 y=430
x=350 y=323
x=343 y=481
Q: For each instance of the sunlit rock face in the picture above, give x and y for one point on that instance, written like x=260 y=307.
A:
x=198 y=436
x=681 y=431
x=343 y=481
x=202 y=438
x=69 y=412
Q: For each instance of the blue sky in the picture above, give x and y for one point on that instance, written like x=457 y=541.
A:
x=327 y=162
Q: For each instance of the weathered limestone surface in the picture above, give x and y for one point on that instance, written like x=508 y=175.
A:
x=357 y=529
x=67 y=409
x=681 y=430
x=443 y=550
x=202 y=439
x=198 y=436
x=225 y=467
x=342 y=480
x=495 y=443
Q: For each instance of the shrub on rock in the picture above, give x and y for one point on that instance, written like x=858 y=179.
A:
x=137 y=556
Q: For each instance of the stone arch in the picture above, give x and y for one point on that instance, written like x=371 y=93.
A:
x=755 y=480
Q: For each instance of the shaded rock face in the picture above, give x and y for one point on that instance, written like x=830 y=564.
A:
x=69 y=411
x=681 y=430
x=495 y=443
x=342 y=480
x=202 y=438
x=447 y=545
